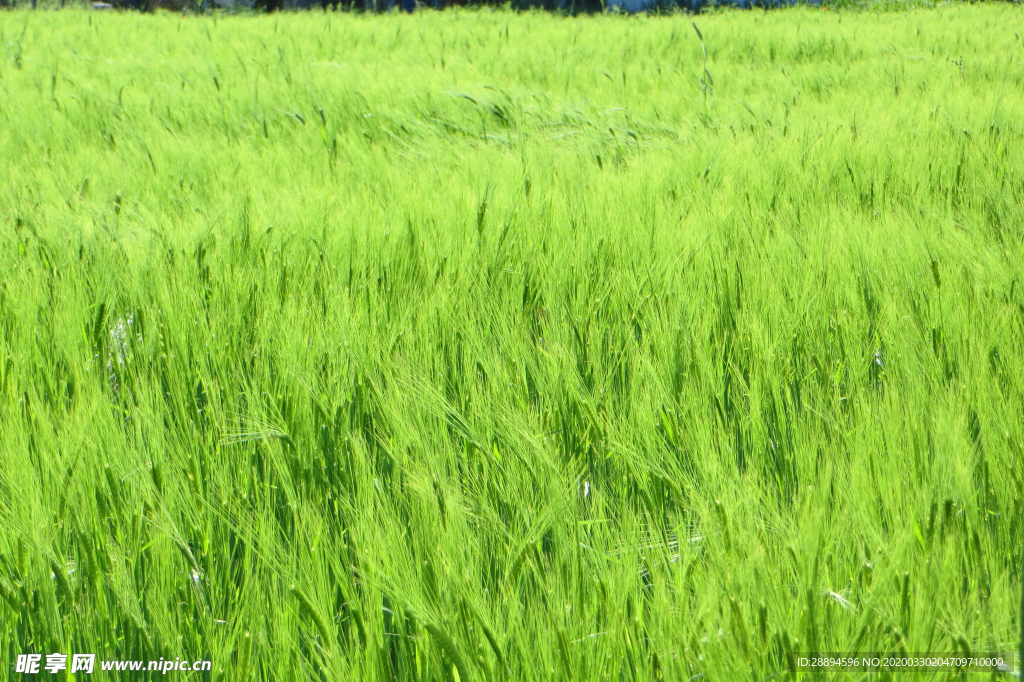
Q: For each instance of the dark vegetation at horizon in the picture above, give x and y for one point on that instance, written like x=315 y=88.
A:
x=558 y=7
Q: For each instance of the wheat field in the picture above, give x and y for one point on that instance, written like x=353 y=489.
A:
x=483 y=345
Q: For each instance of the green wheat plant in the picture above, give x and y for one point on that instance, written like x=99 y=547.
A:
x=482 y=345
x=705 y=79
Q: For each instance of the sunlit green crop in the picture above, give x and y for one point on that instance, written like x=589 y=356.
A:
x=489 y=346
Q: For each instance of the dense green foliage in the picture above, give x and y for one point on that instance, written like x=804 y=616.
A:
x=482 y=346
